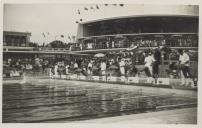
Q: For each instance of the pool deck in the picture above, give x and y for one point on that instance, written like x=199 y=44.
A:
x=177 y=116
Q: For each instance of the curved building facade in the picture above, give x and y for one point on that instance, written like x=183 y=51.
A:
x=146 y=26
x=130 y=13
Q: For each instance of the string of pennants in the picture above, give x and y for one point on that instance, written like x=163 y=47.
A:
x=46 y=34
x=98 y=7
x=79 y=12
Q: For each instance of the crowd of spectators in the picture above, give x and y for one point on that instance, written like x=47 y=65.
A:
x=118 y=64
x=123 y=63
x=124 y=42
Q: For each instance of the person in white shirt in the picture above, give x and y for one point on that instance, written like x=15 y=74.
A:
x=113 y=45
x=149 y=60
x=90 y=66
x=122 y=67
x=56 y=69
x=184 y=58
x=103 y=67
x=75 y=65
x=67 y=69
x=50 y=72
x=184 y=62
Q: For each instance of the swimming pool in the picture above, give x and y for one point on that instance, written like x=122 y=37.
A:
x=48 y=100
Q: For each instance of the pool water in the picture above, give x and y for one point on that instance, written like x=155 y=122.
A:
x=53 y=101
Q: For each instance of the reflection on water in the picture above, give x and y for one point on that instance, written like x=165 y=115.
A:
x=30 y=102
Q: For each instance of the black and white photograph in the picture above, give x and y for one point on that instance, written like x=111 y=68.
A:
x=100 y=63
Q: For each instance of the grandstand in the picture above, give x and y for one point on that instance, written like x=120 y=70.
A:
x=147 y=26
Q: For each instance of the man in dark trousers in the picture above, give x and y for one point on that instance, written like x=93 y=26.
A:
x=157 y=62
x=184 y=64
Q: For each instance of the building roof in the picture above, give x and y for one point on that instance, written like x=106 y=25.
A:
x=130 y=10
x=17 y=33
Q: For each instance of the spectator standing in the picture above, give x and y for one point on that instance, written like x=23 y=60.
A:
x=67 y=69
x=122 y=67
x=75 y=66
x=9 y=61
x=157 y=62
x=50 y=71
x=103 y=67
x=56 y=69
x=43 y=65
x=149 y=59
x=113 y=45
x=184 y=61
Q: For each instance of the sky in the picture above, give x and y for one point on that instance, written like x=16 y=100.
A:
x=55 y=19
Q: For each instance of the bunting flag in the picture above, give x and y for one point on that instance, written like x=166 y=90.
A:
x=79 y=12
x=92 y=8
x=62 y=36
x=85 y=8
x=43 y=34
x=121 y=5
x=97 y=7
